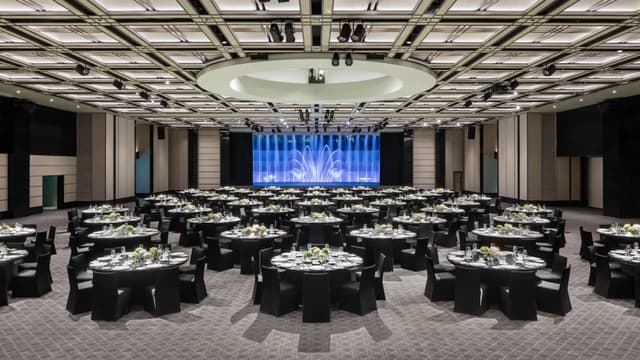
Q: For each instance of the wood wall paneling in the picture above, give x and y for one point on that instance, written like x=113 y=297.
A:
x=208 y=158
x=179 y=159
x=4 y=173
x=43 y=165
x=160 y=161
x=454 y=155
x=472 y=156
x=424 y=158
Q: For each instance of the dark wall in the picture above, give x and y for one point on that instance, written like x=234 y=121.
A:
x=53 y=132
x=621 y=154
x=238 y=161
x=395 y=160
x=579 y=131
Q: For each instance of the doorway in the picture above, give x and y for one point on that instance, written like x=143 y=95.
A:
x=50 y=192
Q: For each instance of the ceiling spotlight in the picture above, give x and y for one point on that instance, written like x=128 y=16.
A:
x=289 y=32
x=273 y=131
x=293 y=128
x=82 y=70
x=143 y=94
x=51 y=100
x=338 y=129
x=276 y=35
x=554 y=106
x=324 y=127
x=513 y=84
x=581 y=99
x=487 y=95
x=359 y=33
x=614 y=91
x=335 y=60
x=619 y=51
x=348 y=60
x=18 y=91
x=164 y=103
x=308 y=128
x=345 y=33
x=549 y=70
x=118 y=84
x=434 y=7
x=468 y=103
x=167 y=82
x=77 y=106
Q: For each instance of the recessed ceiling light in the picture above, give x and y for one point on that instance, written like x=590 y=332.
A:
x=619 y=51
x=518 y=107
x=554 y=106
x=50 y=100
x=17 y=91
x=424 y=124
x=77 y=106
x=167 y=82
x=515 y=93
x=614 y=91
x=581 y=99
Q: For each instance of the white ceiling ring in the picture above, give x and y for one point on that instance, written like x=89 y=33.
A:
x=283 y=78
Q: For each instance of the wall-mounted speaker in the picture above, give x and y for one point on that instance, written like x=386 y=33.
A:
x=471 y=132
x=161 y=133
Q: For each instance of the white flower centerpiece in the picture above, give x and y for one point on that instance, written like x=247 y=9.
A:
x=255 y=229
x=214 y=216
x=632 y=229
x=383 y=228
x=140 y=255
x=318 y=215
x=315 y=253
x=315 y=201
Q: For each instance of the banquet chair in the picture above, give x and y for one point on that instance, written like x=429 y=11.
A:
x=4 y=301
x=163 y=297
x=414 y=259
x=547 y=252
x=612 y=283
x=264 y=256
x=249 y=248
x=80 y=266
x=464 y=240
x=316 y=299
x=447 y=238
x=278 y=297
x=432 y=252
x=34 y=247
x=586 y=241
x=163 y=227
x=383 y=246
x=470 y=295
x=359 y=296
x=553 y=297
x=79 y=244
x=196 y=253
x=554 y=274
x=188 y=235
x=440 y=286
x=518 y=299
x=192 y=287
x=378 y=278
x=72 y=215
x=257 y=282
x=218 y=259
x=33 y=282
x=109 y=302
x=80 y=292
x=362 y=252
x=557 y=213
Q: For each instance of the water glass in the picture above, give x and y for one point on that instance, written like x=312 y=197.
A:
x=627 y=250
x=122 y=250
x=524 y=255
x=308 y=246
x=113 y=253
x=475 y=246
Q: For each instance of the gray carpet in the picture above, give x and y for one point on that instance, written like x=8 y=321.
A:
x=406 y=326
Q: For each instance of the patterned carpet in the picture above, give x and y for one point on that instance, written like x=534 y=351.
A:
x=406 y=326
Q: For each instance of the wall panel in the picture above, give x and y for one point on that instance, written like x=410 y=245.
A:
x=424 y=158
x=508 y=157
x=454 y=155
x=160 y=161
x=179 y=159
x=4 y=173
x=125 y=142
x=472 y=154
x=43 y=165
x=208 y=158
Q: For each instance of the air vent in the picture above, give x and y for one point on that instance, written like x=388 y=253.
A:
x=219 y=35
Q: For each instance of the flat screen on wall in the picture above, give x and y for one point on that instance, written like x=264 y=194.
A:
x=316 y=159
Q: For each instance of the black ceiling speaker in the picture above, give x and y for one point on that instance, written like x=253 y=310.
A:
x=471 y=132
x=345 y=33
x=82 y=70
x=289 y=32
x=276 y=35
x=335 y=60
x=549 y=70
x=161 y=133
x=348 y=59
x=118 y=84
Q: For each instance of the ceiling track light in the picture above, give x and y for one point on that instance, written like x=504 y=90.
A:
x=335 y=60
x=348 y=59
x=487 y=95
x=164 y=103
x=143 y=94
x=549 y=70
x=289 y=32
x=82 y=70
x=359 y=33
x=513 y=84
x=118 y=84
x=276 y=35
x=345 y=33
x=468 y=103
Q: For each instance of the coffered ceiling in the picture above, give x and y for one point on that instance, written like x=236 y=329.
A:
x=159 y=46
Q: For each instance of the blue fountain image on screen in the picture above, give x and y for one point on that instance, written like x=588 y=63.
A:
x=316 y=159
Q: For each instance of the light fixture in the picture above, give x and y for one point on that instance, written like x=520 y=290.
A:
x=359 y=33
x=554 y=106
x=549 y=70
x=293 y=128
x=345 y=33
x=164 y=103
x=335 y=60
x=513 y=84
x=167 y=82
x=348 y=60
x=77 y=106
x=614 y=91
x=338 y=129
x=289 y=32
x=468 y=103
x=487 y=95
x=619 y=51
x=581 y=99
x=82 y=70
x=51 y=100
x=276 y=35
x=118 y=84
x=518 y=107
x=18 y=91
x=143 y=94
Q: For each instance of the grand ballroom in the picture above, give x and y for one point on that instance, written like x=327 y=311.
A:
x=319 y=179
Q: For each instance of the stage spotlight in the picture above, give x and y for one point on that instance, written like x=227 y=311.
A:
x=301 y=115
x=260 y=128
x=164 y=103
x=335 y=60
x=293 y=128
x=247 y=123
x=143 y=94
x=118 y=84
x=487 y=95
x=345 y=33
x=278 y=129
x=273 y=131
x=324 y=128
x=468 y=103
x=369 y=128
x=513 y=84
x=306 y=115
x=348 y=60
x=289 y=32
x=276 y=35
x=82 y=70
x=549 y=70
x=338 y=129
x=308 y=128
x=359 y=33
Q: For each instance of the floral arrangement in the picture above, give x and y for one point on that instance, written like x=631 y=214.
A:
x=383 y=227
x=255 y=228
x=140 y=253
x=519 y=215
x=212 y=215
x=505 y=227
x=243 y=201
x=315 y=201
x=317 y=215
x=112 y=216
x=273 y=207
x=441 y=207
x=189 y=207
x=419 y=215
x=5 y=227
x=357 y=207
x=490 y=250
x=387 y=201
x=317 y=252
x=634 y=229
x=530 y=207
x=104 y=207
x=129 y=228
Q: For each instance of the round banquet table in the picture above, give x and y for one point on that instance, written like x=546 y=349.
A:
x=533 y=222
x=8 y=269
x=315 y=206
x=137 y=276
x=272 y=215
x=317 y=228
x=286 y=200
x=248 y=244
x=91 y=212
x=497 y=274
x=342 y=201
x=632 y=262
x=291 y=191
x=424 y=224
x=105 y=239
x=529 y=211
x=171 y=205
x=240 y=207
x=158 y=198
x=188 y=212
x=448 y=213
x=482 y=199
x=388 y=204
x=242 y=192
x=15 y=236
x=465 y=205
x=389 y=243
x=613 y=238
x=517 y=237
x=336 y=260
x=261 y=195
x=358 y=215
x=340 y=192
x=316 y=194
x=211 y=226
x=220 y=201
x=96 y=223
